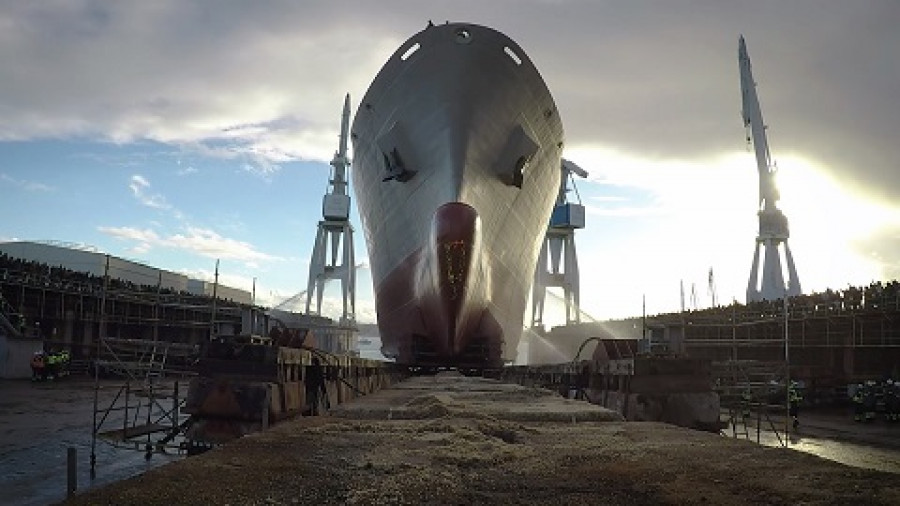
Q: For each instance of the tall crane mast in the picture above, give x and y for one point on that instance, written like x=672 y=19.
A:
x=773 y=224
x=558 y=262
x=335 y=231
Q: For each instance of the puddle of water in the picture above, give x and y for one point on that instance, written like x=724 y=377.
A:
x=879 y=457
x=34 y=442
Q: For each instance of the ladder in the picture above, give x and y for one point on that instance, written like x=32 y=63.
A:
x=144 y=412
x=744 y=387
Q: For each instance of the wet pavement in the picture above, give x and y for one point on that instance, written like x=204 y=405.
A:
x=40 y=421
x=833 y=435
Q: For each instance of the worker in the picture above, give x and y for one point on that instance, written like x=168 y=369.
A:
x=870 y=401
x=315 y=386
x=794 y=400
x=858 y=398
x=63 y=365
x=50 y=365
x=896 y=395
x=746 y=401
x=38 y=371
x=891 y=401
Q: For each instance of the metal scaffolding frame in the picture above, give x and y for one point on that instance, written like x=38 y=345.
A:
x=149 y=394
x=151 y=372
x=745 y=389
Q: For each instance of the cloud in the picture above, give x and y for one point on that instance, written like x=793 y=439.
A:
x=139 y=250
x=261 y=166
x=650 y=89
x=24 y=184
x=659 y=80
x=186 y=73
x=140 y=187
x=200 y=241
x=209 y=243
x=618 y=206
x=621 y=212
x=227 y=277
x=132 y=234
x=332 y=306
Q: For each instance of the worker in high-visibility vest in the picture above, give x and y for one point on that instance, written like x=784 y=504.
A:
x=794 y=398
x=50 y=365
x=870 y=401
x=859 y=408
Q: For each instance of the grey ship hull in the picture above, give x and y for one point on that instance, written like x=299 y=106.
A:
x=457 y=148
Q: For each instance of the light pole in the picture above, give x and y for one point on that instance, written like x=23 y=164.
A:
x=787 y=374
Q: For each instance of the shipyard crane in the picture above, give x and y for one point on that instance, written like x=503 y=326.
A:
x=559 y=243
x=773 y=224
x=335 y=234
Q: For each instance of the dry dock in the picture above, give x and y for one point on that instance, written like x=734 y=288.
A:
x=455 y=440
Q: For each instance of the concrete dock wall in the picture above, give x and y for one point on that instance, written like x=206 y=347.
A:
x=644 y=388
x=247 y=390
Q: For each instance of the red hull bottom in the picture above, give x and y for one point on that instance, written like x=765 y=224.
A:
x=433 y=308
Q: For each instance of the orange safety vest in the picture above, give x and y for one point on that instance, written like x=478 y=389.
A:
x=37 y=361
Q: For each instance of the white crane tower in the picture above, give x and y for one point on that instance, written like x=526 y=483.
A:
x=560 y=242
x=335 y=233
x=773 y=224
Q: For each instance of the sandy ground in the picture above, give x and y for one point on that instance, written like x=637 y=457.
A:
x=455 y=441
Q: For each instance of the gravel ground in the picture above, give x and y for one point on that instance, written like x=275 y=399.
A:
x=451 y=452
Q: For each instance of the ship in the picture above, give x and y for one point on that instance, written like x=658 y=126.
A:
x=457 y=148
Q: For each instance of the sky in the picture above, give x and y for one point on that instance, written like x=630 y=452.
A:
x=177 y=133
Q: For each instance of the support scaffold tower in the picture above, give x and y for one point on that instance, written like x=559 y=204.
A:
x=773 y=224
x=559 y=245
x=335 y=234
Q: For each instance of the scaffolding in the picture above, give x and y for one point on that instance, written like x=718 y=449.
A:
x=749 y=389
x=64 y=308
x=149 y=381
x=749 y=395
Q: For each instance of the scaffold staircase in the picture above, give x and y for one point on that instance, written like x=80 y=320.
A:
x=142 y=385
x=745 y=388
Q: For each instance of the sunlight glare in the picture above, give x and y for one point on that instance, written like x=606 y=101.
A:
x=694 y=215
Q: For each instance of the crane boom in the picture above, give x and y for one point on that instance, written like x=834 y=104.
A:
x=773 y=224
x=340 y=161
x=568 y=168
x=752 y=115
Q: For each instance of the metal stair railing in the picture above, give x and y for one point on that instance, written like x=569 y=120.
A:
x=744 y=388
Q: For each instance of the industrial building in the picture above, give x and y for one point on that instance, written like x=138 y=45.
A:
x=89 y=261
x=60 y=296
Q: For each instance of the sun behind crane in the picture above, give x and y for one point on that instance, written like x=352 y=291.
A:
x=773 y=224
